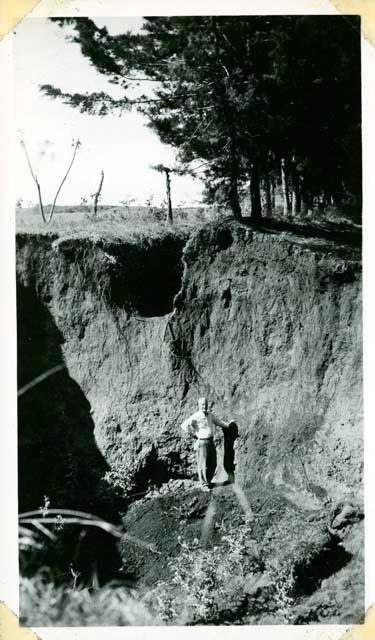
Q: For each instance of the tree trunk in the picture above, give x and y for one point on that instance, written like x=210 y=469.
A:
x=97 y=194
x=298 y=194
x=233 y=187
x=296 y=199
x=336 y=199
x=273 y=200
x=304 y=195
x=284 y=189
x=321 y=203
x=234 y=200
x=267 y=195
x=256 y=209
x=168 y=187
x=304 y=203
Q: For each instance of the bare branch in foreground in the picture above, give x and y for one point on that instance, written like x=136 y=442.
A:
x=96 y=195
x=47 y=220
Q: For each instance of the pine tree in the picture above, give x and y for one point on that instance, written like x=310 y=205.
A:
x=244 y=96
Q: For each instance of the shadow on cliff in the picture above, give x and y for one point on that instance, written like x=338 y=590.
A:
x=57 y=453
x=230 y=436
x=339 y=232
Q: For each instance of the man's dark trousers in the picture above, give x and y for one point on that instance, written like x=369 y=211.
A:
x=206 y=460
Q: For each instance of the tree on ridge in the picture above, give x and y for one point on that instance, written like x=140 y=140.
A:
x=255 y=100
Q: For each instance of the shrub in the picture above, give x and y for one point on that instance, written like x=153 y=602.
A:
x=44 y=603
x=281 y=575
x=207 y=582
x=119 y=479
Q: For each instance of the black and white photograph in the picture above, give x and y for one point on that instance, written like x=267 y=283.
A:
x=188 y=250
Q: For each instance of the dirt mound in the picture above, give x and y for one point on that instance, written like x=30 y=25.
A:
x=287 y=563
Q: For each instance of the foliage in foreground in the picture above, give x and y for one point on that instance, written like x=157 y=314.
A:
x=223 y=584
x=242 y=572
x=45 y=604
x=220 y=579
x=208 y=584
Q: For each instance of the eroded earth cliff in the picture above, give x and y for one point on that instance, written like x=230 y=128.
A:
x=266 y=322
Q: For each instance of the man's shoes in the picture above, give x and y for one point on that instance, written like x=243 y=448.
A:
x=205 y=488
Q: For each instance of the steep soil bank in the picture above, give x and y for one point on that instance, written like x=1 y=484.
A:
x=269 y=326
x=98 y=309
x=266 y=322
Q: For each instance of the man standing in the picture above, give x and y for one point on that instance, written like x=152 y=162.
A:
x=201 y=425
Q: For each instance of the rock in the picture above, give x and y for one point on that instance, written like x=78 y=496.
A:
x=255 y=582
x=347 y=515
x=253 y=548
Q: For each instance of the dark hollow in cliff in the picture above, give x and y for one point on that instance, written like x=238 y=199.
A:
x=145 y=280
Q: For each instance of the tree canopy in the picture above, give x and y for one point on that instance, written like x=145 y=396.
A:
x=247 y=97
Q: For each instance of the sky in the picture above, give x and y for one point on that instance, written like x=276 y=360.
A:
x=123 y=146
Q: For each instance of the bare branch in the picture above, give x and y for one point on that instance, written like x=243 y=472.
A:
x=34 y=177
x=96 y=195
x=77 y=144
x=47 y=220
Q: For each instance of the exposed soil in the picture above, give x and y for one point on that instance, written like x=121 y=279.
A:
x=265 y=321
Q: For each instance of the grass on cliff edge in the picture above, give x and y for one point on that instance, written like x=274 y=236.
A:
x=111 y=223
x=115 y=223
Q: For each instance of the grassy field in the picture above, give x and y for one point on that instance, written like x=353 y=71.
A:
x=118 y=221
x=111 y=221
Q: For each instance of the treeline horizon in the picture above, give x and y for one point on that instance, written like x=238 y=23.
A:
x=265 y=104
